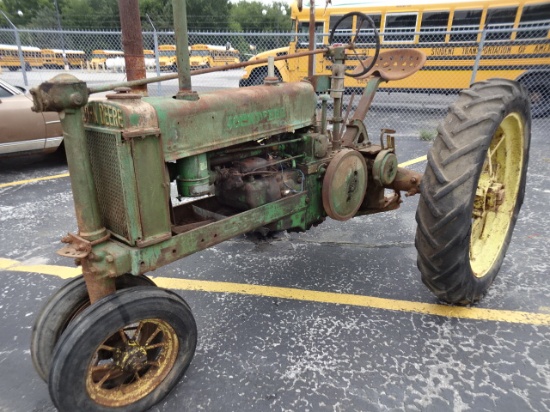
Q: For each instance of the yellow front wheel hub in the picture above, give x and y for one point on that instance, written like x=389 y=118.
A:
x=131 y=363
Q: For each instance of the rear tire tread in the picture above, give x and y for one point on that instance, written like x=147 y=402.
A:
x=453 y=164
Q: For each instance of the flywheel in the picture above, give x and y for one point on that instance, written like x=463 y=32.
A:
x=344 y=185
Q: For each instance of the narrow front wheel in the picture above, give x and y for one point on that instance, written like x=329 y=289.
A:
x=124 y=353
x=62 y=307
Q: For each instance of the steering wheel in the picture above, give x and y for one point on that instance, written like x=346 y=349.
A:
x=368 y=23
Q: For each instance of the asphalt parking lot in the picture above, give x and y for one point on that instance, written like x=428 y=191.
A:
x=333 y=319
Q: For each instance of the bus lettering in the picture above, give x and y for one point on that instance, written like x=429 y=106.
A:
x=542 y=48
x=492 y=50
x=469 y=51
x=443 y=51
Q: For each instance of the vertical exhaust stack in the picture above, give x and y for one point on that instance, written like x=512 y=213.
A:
x=312 y=38
x=132 y=43
x=182 y=51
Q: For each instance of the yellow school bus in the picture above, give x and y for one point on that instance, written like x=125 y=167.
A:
x=168 y=60
x=99 y=57
x=9 y=57
x=53 y=58
x=207 y=55
x=118 y=62
x=510 y=39
x=149 y=56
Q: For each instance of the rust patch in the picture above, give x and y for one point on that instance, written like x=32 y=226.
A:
x=407 y=181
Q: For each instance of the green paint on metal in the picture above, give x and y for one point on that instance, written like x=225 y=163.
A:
x=152 y=190
x=103 y=114
x=112 y=168
x=193 y=175
x=315 y=212
x=185 y=244
x=230 y=117
x=254 y=118
x=82 y=183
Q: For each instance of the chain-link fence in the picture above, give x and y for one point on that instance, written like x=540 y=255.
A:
x=455 y=59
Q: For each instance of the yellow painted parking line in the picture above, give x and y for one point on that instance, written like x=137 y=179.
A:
x=494 y=315
x=413 y=161
x=22 y=182
x=63 y=272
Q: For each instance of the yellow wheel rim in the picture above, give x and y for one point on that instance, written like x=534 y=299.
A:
x=496 y=195
x=131 y=363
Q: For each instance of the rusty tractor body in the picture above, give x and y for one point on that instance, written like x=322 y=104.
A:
x=265 y=158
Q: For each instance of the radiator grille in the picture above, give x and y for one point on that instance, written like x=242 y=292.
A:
x=104 y=157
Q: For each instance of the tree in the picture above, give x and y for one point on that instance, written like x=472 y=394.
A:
x=21 y=12
x=255 y=16
x=203 y=15
x=90 y=14
x=210 y=15
x=45 y=18
x=159 y=12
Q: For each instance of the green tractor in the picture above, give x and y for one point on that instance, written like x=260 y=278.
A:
x=269 y=157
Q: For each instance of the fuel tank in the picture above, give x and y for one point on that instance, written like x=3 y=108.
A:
x=228 y=117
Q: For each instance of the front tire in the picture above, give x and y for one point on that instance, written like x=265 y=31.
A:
x=124 y=353
x=62 y=307
x=473 y=189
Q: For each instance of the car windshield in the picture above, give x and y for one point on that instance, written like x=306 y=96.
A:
x=7 y=90
x=4 y=93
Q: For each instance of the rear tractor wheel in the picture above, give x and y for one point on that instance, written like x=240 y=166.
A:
x=473 y=189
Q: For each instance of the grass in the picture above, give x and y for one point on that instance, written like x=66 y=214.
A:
x=427 y=135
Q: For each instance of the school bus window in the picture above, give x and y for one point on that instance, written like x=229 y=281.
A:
x=343 y=35
x=530 y=17
x=204 y=53
x=498 y=19
x=304 y=27
x=466 y=20
x=346 y=24
x=402 y=23
x=434 y=26
x=365 y=33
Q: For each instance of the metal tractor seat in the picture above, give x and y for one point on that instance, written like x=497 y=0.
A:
x=393 y=64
